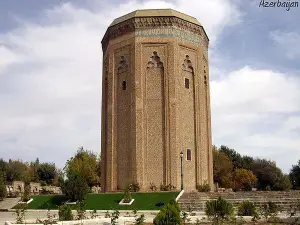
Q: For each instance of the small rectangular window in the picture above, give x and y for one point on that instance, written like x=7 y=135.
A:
x=124 y=85
x=188 y=155
x=187 y=83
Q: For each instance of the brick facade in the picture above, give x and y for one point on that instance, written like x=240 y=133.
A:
x=155 y=101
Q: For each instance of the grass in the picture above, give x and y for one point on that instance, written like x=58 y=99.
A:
x=106 y=201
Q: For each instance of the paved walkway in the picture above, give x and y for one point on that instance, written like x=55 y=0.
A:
x=8 y=203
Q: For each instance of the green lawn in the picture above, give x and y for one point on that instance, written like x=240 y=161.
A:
x=106 y=201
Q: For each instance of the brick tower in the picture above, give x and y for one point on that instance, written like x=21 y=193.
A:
x=155 y=102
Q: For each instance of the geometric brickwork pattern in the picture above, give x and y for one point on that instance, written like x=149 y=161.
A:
x=155 y=102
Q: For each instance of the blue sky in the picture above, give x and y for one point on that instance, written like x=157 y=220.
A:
x=50 y=75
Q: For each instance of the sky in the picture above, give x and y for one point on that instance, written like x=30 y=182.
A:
x=51 y=65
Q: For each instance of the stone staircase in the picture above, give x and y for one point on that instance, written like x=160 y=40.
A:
x=196 y=200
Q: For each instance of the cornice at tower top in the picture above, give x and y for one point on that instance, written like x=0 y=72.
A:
x=155 y=13
x=153 y=19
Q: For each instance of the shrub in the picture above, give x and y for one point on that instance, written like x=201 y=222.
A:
x=168 y=187
x=20 y=212
x=76 y=188
x=168 y=215
x=219 y=209
x=65 y=213
x=3 y=191
x=203 y=187
x=153 y=187
x=269 y=209
x=140 y=220
x=135 y=187
x=80 y=208
x=127 y=196
x=247 y=208
x=175 y=204
x=26 y=195
x=114 y=217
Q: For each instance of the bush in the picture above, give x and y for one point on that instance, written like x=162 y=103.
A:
x=140 y=220
x=219 y=209
x=3 y=191
x=247 y=208
x=127 y=196
x=269 y=209
x=153 y=187
x=76 y=188
x=168 y=187
x=65 y=213
x=203 y=187
x=135 y=187
x=168 y=215
x=26 y=195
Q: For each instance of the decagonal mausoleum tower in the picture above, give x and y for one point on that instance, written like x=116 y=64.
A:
x=155 y=102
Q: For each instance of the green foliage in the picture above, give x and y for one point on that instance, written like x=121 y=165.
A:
x=219 y=210
x=47 y=172
x=175 y=204
x=236 y=158
x=27 y=194
x=140 y=220
x=65 y=213
x=168 y=187
x=269 y=209
x=203 y=187
x=76 y=188
x=80 y=208
x=17 y=170
x=170 y=214
x=20 y=212
x=268 y=175
x=295 y=176
x=127 y=196
x=222 y=166
x=85 y=163
x=3 y=191
x=247 y=208
x=243 y=179
x=114 y=217
x=282 y=183
x=135 y=187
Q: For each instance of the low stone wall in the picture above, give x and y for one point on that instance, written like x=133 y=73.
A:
x=284 y=199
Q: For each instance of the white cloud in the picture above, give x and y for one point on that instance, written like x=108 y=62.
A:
x=257 y=112
x=288 y=42
x=50 y=84
x=50 y=75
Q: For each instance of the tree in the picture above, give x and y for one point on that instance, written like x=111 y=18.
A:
x=236 y=158
x=243 y=179
x=76 y=187
x=168 y=215
x=17 y=170
x=34 y=170
x=47 y=172
x=247 y=162
x=65 y=213
x=295 y=175
x=3 y=191
x=266 y=172
x=282 y=183
x=87 y=164
x=3 y=168
x=222 y=167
